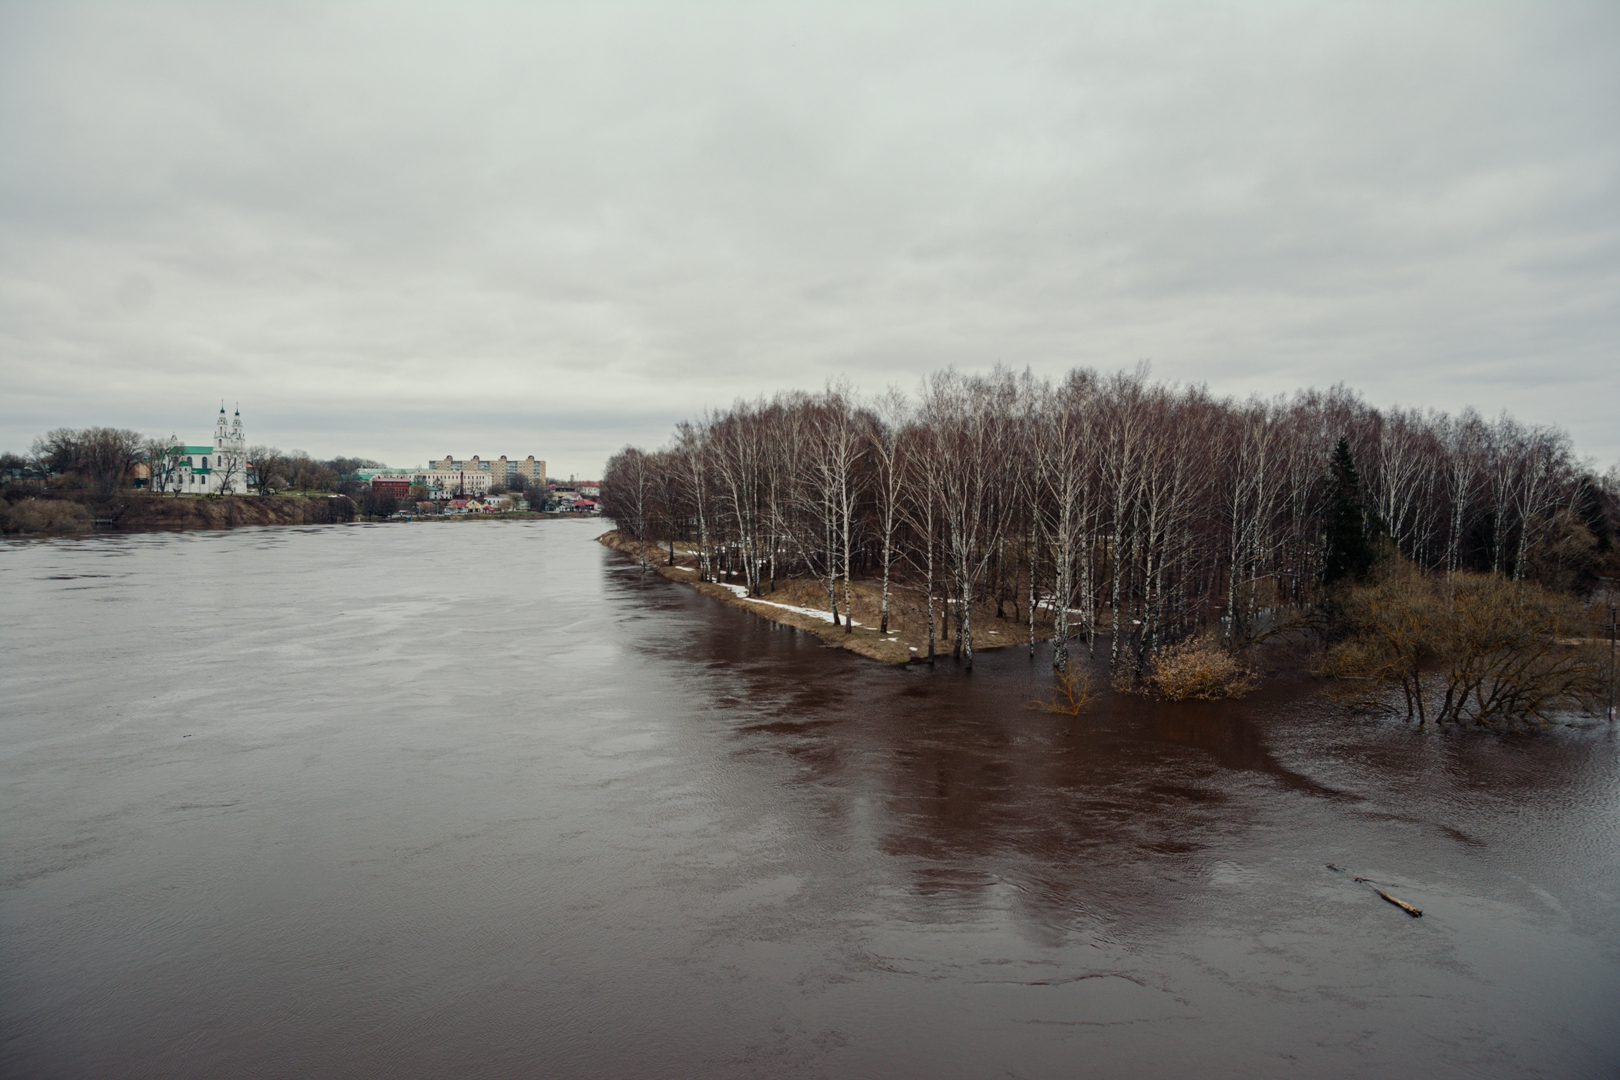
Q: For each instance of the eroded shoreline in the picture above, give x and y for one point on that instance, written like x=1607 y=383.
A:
x=902 y=645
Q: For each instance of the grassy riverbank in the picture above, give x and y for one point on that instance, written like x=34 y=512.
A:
x=802 y=604
x=31 y=513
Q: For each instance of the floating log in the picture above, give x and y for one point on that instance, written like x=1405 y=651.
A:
x=1398 y=902
x=1416 y=913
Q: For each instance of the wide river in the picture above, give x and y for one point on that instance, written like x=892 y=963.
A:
x=480 y=799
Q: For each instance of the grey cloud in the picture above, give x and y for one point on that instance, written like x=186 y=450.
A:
x=614 y=215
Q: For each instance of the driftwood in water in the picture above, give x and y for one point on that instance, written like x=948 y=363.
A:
x=1402 y=904
x=1397 y=901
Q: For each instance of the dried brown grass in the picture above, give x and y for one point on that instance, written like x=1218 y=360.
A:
x=44 y=516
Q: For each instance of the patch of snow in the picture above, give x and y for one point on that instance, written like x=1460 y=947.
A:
x=741 y=591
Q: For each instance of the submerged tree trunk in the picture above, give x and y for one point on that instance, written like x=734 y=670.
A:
x=1032 y=590
x=930 y=591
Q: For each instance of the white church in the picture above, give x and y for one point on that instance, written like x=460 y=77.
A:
x=220 y=469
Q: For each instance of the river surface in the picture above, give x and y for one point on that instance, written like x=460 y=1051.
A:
x=480 y=799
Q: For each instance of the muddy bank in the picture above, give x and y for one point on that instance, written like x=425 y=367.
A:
x=803 y=605
x=228 y=513
x=133 y=512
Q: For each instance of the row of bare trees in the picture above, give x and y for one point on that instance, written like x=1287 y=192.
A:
x=270 y=469
x=103 y=461
x=1107 y=504
x=101 y=458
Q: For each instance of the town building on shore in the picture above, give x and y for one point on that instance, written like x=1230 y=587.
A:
x=579 y=496
x=501 y=470
x=453 y=478
x=220 y=469
x=440 y=483
x=399 y=486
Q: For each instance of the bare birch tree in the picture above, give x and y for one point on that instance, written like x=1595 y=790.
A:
x=1167 y=507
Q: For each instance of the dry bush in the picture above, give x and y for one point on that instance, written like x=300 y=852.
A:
x=1071 y=693
x=1198 y=669
x=46 y=515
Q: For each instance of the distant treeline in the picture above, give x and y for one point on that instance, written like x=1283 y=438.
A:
x=1116 y=502
x=105 y=461
x=100 y=466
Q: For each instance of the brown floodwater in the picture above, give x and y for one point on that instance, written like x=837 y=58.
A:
x=481 y=799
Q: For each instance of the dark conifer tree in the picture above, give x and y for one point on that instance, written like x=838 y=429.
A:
x=1347 y=552
x=1589 y=509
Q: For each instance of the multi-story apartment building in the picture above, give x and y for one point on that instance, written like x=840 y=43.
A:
x=442 y=483
x=451 y=477
x=501 y=470
x=468 y=482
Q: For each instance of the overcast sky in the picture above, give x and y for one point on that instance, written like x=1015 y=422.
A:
x=409 y=230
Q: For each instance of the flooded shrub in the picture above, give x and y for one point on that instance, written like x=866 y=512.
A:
x=1071 y=693
x=1198 y=669
x=1477 y=648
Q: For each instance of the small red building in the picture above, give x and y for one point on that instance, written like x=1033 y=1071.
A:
x=397 y=486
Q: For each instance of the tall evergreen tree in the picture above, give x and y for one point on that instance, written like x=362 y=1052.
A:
x=1347 y=551
x=1589 y=508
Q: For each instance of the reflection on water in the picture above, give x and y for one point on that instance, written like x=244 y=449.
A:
x=482 y=799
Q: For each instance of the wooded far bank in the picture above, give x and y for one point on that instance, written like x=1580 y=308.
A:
x=1103 y=502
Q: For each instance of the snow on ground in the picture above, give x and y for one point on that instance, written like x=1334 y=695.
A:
x=1050 y=604
x=742 y=592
